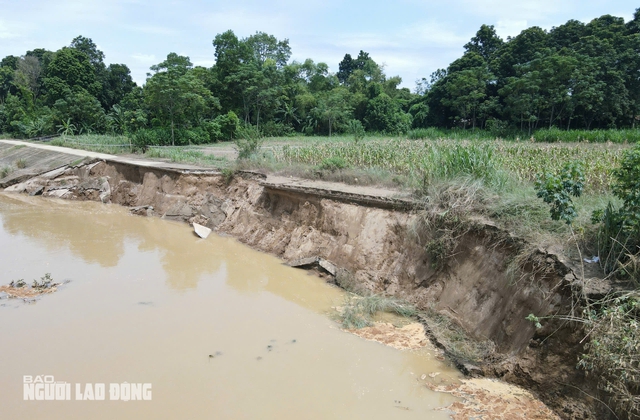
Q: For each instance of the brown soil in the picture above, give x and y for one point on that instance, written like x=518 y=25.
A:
x=26 y=292
x=378 y=241
x=488 y=399
x=408 y=337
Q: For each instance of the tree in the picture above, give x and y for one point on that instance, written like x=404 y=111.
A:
x=70 y=70
x=90 y=49
x=345 y=68
x=333 y=108
x=485 y=43
x=466 y=90
x=175 y=95
x=28 y=74
x=265 y=47
x=384 y=115
x=10 y=61
x=6 y=82
x=117 y=84
x=82 y=110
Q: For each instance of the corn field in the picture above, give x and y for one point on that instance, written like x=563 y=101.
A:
x=487 y=160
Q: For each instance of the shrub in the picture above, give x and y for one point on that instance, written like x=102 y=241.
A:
x=277 y=129
x=612 y=353
x=248 y=142
x=556 y=190
x=146 y=137
x=333 y=164
x=619 y=231
x=214 y=130
x=356 y=129
x=228 y=124
x=5 y=170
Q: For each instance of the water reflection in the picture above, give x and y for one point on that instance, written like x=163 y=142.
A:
x=98 y=234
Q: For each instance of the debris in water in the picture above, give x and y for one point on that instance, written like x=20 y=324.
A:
x=259 y=358
x=145 y=303
x=201 y=231
x=269 y=347
x=19 y=289
x=411 y=336
x=328 y=266
x=482 y=395
x=294 y=340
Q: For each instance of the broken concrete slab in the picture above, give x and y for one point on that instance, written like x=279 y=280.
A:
x=37 y=191
x=60 y=193
x=180 y=210
x=201 y=231
x=313 y=262
x=142 y=210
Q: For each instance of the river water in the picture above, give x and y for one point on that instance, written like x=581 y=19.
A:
x=218 y=330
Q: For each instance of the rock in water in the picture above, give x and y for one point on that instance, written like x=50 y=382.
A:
x=201 y=231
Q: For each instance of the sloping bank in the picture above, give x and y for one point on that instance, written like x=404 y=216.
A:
x=381 y=244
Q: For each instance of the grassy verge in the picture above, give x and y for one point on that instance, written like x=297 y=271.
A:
x=184 y=155
x=95 y=143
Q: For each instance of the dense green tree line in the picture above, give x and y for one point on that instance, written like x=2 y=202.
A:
x=574 y=76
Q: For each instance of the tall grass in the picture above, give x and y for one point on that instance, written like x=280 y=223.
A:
x=95 y=142
x=437 y=159
x=182 y=155
x=543 y=135
x=358 y=311
x=555 y=135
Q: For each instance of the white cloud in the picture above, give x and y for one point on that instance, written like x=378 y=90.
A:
x=515 y=10
x=8 y=31
x=144 y=58
x=152 y=29
x=244 y=22
x=434 y=34
x=364 y=41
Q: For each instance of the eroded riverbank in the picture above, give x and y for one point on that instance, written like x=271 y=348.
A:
x=149 y=302
x=377 y=245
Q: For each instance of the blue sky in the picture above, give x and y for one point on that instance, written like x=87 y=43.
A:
x=412 y=38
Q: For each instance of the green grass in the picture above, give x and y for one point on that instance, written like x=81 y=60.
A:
x=543 y=135
x=184 y=155
x=5 y=171
x=458 y=343
x=358 y=311
x=95 y=143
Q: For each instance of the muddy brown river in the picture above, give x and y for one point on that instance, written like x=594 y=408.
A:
x=215 y=329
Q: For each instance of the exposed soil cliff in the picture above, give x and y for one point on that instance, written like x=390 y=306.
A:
x=382 y=244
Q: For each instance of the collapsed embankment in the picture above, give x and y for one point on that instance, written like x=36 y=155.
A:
x=381 y=243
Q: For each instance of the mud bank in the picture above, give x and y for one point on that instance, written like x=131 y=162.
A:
x=378 y=242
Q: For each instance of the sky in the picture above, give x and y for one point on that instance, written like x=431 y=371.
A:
x=411 y=38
